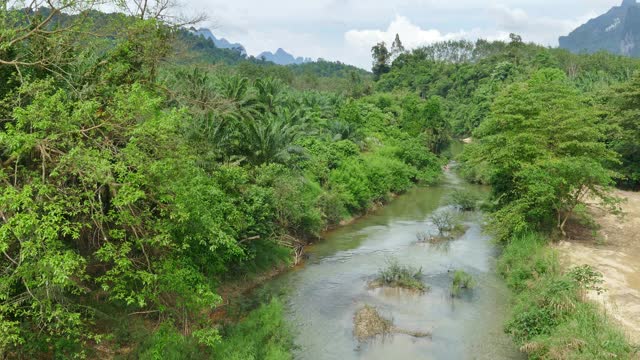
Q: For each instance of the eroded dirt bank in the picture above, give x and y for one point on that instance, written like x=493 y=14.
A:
x=616 y=253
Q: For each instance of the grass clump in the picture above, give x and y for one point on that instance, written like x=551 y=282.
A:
x=550 y=317
x=461 y=281
x=396 y=275
x=525 y=259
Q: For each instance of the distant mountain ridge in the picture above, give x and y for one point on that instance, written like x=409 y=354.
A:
x=281 y=57
x=617 y=31
x=221 y=43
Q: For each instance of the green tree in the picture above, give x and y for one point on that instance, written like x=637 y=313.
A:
x=546 y=153
x=624 y=107
x=272 y=138
x=381 y=60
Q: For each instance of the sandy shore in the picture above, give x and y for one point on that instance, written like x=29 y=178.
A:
x=616 y=253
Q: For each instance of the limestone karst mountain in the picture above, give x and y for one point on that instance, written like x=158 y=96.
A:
x=617 y=31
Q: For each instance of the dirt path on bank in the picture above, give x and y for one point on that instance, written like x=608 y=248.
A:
x=616 y=253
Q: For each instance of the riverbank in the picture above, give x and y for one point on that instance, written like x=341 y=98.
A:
x=615 y=252
x=552 y=316
x=236 y=289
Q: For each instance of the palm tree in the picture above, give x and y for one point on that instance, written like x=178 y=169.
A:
x=342 y=130
x=269 y=92
x=271 y=139
x=236 y=91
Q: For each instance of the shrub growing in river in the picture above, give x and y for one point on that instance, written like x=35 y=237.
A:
x=461 y=281
x=464 y=200
x=448 y=225
x=444 y=221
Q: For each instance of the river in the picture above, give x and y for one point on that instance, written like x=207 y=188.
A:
x=323 y=296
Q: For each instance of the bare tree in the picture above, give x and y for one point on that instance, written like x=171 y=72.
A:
x=37 y=33
x=444 y=221
x=164 y=11
x=44 y=33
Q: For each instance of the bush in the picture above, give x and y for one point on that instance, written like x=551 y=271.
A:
x=351 y=182
x=332 y=208
x=586 y=335
x=428 y=165
x=294 y=200
x=444 y=221
x=362 y=181
x=388 y=175
x=540 y=309
x=167 y=343
x=461 y=281
x=396 y=275
x=525 y=259
x=464 y=200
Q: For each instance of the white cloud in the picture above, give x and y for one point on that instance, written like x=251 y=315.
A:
x=412 y=36
x=543 y=30
x=346 y=30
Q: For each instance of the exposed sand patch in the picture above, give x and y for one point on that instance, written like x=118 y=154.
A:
x=617 y=257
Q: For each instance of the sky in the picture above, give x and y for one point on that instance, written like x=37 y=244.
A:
x=345 y=30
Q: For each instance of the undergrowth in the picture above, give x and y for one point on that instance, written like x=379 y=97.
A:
x=263 y=334
x=551 y=318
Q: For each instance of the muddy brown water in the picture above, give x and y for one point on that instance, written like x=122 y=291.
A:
x=323 y=296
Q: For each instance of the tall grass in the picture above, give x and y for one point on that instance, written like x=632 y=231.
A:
x=263 y=334
x=550 y=318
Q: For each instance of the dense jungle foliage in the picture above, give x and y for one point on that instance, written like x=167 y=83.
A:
x=475 y=81
x=136 y=179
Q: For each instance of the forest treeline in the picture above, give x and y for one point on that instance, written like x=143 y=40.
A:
x=141 y=167
x=468 y=77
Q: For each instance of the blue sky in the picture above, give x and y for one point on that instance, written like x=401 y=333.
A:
x=345 y=30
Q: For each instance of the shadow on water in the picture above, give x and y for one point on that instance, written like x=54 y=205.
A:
x=323 y=296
